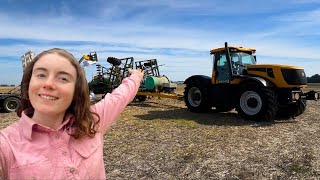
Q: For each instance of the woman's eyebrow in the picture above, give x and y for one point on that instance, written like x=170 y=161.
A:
x=40 y=69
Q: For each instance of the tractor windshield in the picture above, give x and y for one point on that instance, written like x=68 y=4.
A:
x=239 y=61
x=242 y=58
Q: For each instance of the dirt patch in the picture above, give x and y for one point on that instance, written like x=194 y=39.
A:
x=162 y=139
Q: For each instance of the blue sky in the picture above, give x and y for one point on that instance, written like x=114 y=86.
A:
x=179 y=34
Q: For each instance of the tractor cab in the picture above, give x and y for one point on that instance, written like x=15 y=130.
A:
x=230 y=62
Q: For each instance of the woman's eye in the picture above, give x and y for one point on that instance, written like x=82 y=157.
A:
x=63 y=79
x=40 y=75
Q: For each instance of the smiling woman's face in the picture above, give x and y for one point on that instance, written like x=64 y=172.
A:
x=52 y=84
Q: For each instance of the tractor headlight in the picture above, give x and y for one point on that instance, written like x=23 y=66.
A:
x=295 y=96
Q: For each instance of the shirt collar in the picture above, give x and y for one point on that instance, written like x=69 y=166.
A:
x=28 y=125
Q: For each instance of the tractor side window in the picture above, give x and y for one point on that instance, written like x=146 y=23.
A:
x=223 y=61
x=223 y=70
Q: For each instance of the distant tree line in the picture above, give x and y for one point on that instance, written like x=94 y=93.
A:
x=314 y=79
x=5 y=85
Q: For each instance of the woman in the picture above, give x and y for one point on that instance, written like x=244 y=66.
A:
x=59 y=135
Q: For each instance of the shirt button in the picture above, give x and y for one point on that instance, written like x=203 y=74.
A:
x=72 y=170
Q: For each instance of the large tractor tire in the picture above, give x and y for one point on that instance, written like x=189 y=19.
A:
x=292 y=110
x=257 y=103
x=11 y=104
x=196 y=97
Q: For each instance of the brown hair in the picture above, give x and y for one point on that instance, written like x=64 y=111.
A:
x=85 y=123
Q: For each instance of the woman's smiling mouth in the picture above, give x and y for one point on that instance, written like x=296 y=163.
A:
x=48 y=97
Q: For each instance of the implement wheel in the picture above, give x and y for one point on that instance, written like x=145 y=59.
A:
x=141 y=98
x=11 y=104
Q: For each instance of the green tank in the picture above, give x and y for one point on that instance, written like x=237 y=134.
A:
x=153 y=82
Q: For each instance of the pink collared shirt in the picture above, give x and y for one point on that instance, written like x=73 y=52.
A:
x=31 y=151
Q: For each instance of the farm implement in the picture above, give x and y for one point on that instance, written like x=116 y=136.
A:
x=153 y=84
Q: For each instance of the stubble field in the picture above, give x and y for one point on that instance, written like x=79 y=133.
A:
x=162 y=139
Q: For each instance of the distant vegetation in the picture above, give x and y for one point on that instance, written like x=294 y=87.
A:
x=6 y=85
x=314 y=79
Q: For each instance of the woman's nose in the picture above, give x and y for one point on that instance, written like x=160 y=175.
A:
x=49 y=83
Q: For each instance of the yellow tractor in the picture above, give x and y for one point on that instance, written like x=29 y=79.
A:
x=259 y=92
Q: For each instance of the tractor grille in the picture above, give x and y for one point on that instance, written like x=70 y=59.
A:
x=294 y=76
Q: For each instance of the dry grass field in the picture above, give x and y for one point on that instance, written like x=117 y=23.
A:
x=5 y=89
x=162 y=139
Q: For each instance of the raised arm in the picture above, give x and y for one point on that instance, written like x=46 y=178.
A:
x=113 y=104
